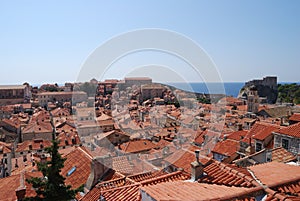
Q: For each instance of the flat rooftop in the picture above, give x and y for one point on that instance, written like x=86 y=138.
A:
x=5 y=87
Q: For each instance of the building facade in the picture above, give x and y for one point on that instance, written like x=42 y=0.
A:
x=62 y=96
x=12 y=94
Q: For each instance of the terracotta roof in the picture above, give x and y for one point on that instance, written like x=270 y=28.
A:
x=127 y=189
x=41 y=115
x=38 y=127
x=5 y=148
x=180 y=190
x=107 y=134
x=128 y=193
x=261 y=131
x=237 y=135
x=57 y=112
x=227 y=147
x=122 y=165
x=280 y=154
x=295 y=117
x=33 y=145
x=68 y=138
x=242 y=107
x=13 y=122
x=277 y=112
x=130 y=164
x=79 y=161
x=65 y=126
x=27 y=162
x=145 y=176
x=221 y=174
x=291 y=189
x=271 y=174
x=199 y=139
x=293 y=130
x=9 y=185
x=229 y=100
x=108 y=122
x=61 y=93
x=103 y=117
x=137 y=146
x=184 y=158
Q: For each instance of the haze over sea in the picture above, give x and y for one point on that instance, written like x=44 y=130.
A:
x=231 y=88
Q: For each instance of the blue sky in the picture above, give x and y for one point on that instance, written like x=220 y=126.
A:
x=48 y=41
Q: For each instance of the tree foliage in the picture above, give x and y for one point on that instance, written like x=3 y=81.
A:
x=289 y=93
x=51 y=186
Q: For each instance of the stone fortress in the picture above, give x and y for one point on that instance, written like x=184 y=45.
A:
x=267 y=89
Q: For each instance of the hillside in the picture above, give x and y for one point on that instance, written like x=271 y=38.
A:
x=289 y=93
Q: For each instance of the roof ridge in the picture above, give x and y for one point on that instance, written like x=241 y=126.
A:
x=233 y=171
x=110 y=181
x=160 y=177
x=84 y=152
x=120 y=187
x=138 y=174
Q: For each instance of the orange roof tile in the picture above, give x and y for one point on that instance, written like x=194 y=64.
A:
x=41 y=115
x=9 y=185
x=127 y=189
x=280 y=154
x=271 y=174
x=137 y=146
x=291 y=189
x=295 y=117
x=293 y=130
x=199 y=139
x=38 y=127
x=184 y=158
x=145 y=176
x=237 y=135
x=261 y=131
x=57 y=112
x=80 y=160
x=33 y=145
x=221 y=174
x=180 y=190
x=227 y=147
x=68 y=138
x=13 y=122
x=122 y=165
x=5 y=148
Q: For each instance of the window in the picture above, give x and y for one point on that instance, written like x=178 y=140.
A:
x=285 y=143
x=258 y=146
x=269 y=156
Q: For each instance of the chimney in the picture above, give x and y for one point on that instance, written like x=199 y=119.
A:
x=20 y=193
x=281 y=121
x=196 y=168
x=240 y=127
x=21 y=190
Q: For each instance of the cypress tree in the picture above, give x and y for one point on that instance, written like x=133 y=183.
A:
x=51 y=186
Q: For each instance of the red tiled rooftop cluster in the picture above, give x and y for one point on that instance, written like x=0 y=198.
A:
x=293 y=130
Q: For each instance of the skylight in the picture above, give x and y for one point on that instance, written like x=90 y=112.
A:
x=71 y=171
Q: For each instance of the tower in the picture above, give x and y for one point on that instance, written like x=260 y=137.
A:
x=253 y=100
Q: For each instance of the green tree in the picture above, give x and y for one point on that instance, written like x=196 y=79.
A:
x=51 y=186
x=289 y=93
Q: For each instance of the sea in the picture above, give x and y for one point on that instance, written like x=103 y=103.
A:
x=230 y=88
